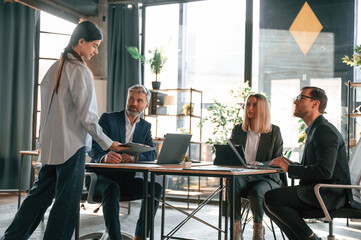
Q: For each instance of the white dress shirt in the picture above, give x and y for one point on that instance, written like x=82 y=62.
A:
x=129 y=129
x=69 y=115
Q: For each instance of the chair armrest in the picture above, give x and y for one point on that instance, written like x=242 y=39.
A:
x=93 y=182
x=320 y=200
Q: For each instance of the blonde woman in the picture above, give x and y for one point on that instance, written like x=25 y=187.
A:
x=262 y=142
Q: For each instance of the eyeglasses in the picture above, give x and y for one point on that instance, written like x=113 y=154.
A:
x=299 y=97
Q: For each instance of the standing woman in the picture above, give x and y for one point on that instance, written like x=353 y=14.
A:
x=262 y=142
x=69 y=113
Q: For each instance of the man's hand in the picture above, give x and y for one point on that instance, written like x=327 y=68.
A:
x=113 y=158
x=126 y=158
x=282 y=162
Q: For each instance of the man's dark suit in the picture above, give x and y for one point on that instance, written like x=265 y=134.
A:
x=324 y=161
x=111 y=185
x=113 y=125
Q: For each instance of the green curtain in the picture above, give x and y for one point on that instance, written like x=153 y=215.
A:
x=123 y=71
x=18 y=33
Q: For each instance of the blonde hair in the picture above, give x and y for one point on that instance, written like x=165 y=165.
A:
x=263 y=117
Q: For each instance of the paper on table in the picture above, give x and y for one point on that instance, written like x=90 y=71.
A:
x=135 y=148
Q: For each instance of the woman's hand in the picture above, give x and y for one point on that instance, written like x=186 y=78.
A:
x=115 y=147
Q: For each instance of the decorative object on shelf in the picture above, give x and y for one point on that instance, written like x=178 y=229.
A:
x=172 y=121
x=353 y=142
x=169 y=101
x=357 y=110
x=356 y=58
x=156 y=62
x=183 y=131
x=351 y=136
x=187 y=109
x=224 y=117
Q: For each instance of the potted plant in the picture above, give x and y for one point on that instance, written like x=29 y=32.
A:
x=223 y=117
x=156 y=61
x=356 y=58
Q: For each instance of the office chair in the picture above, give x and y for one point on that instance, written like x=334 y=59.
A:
x=90 y=197
x=353 y=208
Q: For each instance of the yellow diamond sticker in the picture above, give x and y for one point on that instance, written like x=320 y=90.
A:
x=305 y=28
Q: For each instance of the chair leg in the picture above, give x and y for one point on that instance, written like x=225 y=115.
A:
x=283 y=236
x=273 y=230
x=128 y=207
x=245 y=219
x=98 y=208
x=330 y=231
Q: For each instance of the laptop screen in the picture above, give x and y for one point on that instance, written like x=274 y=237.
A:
x=238 y=151
x=226 y=156
x=174 y=148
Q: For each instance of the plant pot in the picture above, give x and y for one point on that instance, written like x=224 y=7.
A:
x=186 y=164
x=155 y=85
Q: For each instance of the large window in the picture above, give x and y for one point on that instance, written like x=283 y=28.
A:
x=54 y=37
x=301 y=44
x=204 y=44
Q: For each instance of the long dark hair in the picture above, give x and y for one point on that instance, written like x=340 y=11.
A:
x=87 y=30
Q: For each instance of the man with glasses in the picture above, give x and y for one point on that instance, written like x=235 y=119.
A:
x=323 y=161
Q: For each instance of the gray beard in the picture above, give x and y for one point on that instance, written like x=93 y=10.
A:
x=133 y=114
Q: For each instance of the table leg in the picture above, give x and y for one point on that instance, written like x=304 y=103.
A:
x=220 y=207
x=145 y=204
x=232 y=188
x=163 y=209
x=152 y=189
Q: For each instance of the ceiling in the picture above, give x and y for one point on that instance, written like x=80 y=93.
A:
x=73 y=10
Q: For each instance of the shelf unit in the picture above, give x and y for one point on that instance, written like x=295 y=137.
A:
x=177 y=110
x=351 y=104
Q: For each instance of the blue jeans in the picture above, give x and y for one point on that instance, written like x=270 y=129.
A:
x=123 y=188
x=65 y=183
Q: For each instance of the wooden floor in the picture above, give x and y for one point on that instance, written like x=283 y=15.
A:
x=92 y=222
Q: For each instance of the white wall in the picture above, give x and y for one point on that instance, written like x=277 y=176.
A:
x=101 y=92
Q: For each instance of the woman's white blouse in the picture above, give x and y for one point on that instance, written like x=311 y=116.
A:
x=252 y=147
x=69 y=115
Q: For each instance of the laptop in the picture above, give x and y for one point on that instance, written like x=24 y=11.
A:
x=225 y=161
x=225 y=156
x=242 y=158
x=173 y=150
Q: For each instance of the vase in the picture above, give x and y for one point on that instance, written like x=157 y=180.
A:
x=186 y=164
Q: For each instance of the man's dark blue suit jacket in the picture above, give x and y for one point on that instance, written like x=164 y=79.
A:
x=113 y=125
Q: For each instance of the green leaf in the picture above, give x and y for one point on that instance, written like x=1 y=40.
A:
x=134 y=52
